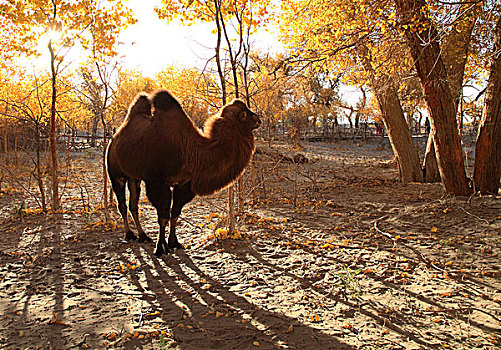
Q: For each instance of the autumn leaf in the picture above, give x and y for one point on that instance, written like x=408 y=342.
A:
x=315 y=318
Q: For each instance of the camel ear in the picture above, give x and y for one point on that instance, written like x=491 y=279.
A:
x=140 y=106
x=227 y=112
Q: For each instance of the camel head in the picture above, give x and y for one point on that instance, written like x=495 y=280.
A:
x=238 y=111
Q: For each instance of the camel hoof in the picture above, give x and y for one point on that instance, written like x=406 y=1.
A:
x=143 y=238
x=176 y=245
x=159 y=251
x=130 y=236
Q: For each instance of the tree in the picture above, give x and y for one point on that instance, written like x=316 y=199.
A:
x=267 y=87
x=26 y=100
x=66 y=25
x=386 y=91
x=92 y=98
x=325 y=91
x=487 y=171
x=357 y=39
x=455 y=48
x=192 y=88
x=128 y=84
x=431 y=70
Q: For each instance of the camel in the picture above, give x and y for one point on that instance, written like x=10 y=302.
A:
x=159 y=144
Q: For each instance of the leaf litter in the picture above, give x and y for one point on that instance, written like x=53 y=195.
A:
x=332 y=254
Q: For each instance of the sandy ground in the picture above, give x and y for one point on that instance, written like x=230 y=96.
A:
x=332 y=254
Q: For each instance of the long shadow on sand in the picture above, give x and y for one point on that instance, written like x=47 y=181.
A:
x=204 y=314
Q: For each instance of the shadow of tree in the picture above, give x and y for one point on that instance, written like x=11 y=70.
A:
x=33 y=255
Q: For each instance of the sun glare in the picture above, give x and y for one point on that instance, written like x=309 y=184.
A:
x=50 y=35
x=55 y=36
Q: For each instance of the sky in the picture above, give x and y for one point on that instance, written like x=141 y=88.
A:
x=152 y=44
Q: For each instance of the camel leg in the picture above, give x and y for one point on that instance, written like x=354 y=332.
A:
x=118 y=185
x=160 y=196
x=181 y=196
x=135 y=193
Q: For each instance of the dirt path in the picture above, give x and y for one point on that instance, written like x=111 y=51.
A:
x=336 y=254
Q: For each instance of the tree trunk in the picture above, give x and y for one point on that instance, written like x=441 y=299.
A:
x=16 y=133
x=52 y=136
x=106 y=212
x=253 y=181
x=93 y=135
x=231 y=192
x=218 y=53
x=296 y=137
x=430 y=166
x=432 y=73
x=457 y=46
x=455 y=55
x=5 y=144
x=487 y=170
x=399 y=135
x=39 y=175
x=100 y=116
x=394 y=121
x=349 y=118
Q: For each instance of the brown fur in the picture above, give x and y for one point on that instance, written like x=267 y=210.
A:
x=158 y=143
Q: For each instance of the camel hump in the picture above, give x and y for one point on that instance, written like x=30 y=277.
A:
x=163 y=100
x=140 y=106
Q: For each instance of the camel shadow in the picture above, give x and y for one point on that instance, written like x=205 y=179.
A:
x=203 y=313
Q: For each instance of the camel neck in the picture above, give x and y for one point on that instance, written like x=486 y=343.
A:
x=228 y=152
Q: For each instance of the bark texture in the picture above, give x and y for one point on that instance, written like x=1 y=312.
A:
x=433 y=75
x=399 y=135
x=52 y=135
x=457 y=46
x=394 y=121
x=487 y=170
x=430 y=166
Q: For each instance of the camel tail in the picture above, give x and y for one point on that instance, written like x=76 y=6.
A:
x=163 y=100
